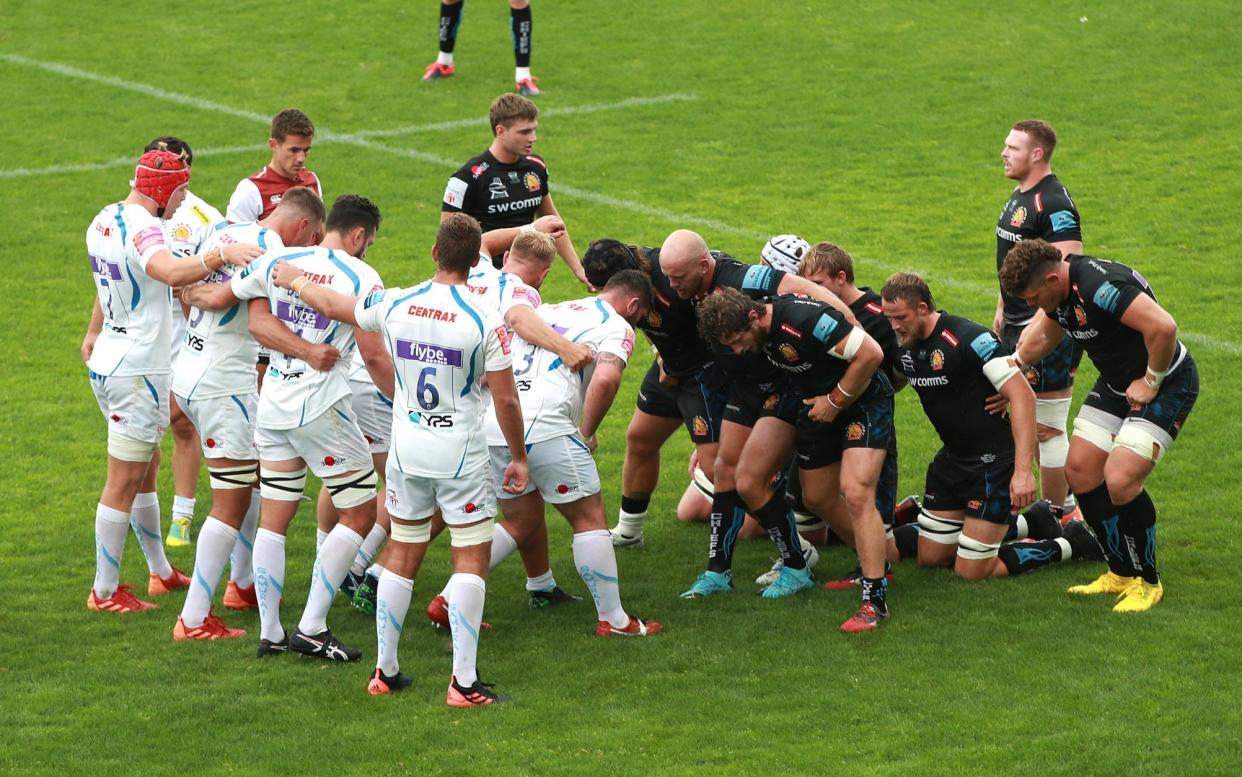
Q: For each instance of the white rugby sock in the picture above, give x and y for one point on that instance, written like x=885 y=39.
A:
x=545 y=582
x=370 y=547
x=503 y=545
x=215 y=540
x=445 y=58
x=183 y=506
x=145 y=520
x=597 y=563
x=392 y=602
x=631 y=524
x=521 y=73
x=320 y=536
x=241 y=560
x=269 y=582
x=111 y=526
x=466 y=596
x=331 y=564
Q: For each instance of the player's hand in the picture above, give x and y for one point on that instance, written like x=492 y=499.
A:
x=322 y=356
x=577 y=356
x=665 y=378
x=241 y=254
x=1022 y=489
x=591 y=442
x=581 y=275
x=284 y=274
x=694 y=462
x=88 y=345
x=189 y=294
x=822 y=410
x=1141 y=393
x=552 y=226
x=997 y=322
x=515 y=477
x=996 y=404
x=1044 y=433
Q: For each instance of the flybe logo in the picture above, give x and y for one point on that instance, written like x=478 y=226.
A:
x=429 y=353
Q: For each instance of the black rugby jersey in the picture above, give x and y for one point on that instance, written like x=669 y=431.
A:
x=869 y=311
x=946 y=371
x=759 y=282
x=1100 y=292
x=497 y=194
x=802 y=334
x=1045 y=211
x=671 y=324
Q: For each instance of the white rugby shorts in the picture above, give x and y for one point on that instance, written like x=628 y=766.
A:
x=561 y=468
x=331 y=444
x=135 y=406
x=225 y=425
x=374 y=414
x=462 y=500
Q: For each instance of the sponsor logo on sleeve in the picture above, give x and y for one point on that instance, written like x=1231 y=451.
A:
x=503 y=334
x=151 y=237
x=429 y=353
x=627 y=343
x=1107 y=297
x=1063 y=220
x=757 y=278
x=984 y=345
x=824 y=327
x=374 y=298
x=455 y=192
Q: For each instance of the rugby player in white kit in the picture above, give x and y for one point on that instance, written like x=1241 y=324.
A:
x=127 y=351
x=305 y=419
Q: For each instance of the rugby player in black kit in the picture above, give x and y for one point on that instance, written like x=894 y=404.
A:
x=1040 y=207
x=846 y=421
x=507 y=185
x=1147 y=386
x=982 y=474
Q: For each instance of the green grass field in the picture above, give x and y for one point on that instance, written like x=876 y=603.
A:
x=878 y=127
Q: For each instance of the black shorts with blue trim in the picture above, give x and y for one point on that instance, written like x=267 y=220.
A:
x=980 y=488
x=885 y=487
x=698 y=400
x=868 y=423
x=748 y=403
x=1168 y=411
x=1051 y=373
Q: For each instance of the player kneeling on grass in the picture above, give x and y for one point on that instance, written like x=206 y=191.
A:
x=845 y=425
x=216 y=387
x=982 y=474
x=442 y=345
x=127 y=350
x=564 y=408
x=1147 y=386
x=305 y=419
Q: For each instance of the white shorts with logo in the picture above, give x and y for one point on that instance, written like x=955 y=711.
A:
x=561 y=468
x=331 y=444
x=225 y=425
x=462 y=500
x=374 y=413
x=135 y=406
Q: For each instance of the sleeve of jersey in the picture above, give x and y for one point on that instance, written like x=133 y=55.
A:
x=760 y=280
x=829 y=328
x=497 y=355
x=148 y=241
x=245 y=205
x=455 y=195
x=1059 y=220
x=517 y=294
x=619 y=342
x=251 y=282
x=1109 y=295
x=371 y=309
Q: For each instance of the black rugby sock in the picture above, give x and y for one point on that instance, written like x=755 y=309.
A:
x=1101 y=515
x=776 y=517
x=450 y=18
x=1138 y=527
x=520 y=22
x=1022 y=557
x=875 y=590
x=726 y=521
x=635 y=504
x=907 y=538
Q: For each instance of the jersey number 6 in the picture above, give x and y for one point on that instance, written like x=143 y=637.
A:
x=428 y=396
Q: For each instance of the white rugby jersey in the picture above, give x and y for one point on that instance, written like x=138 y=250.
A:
x=442 y=343
x=190 y=225
x=498 y=290
x=137 y=328
x=216 y=356
x=294 y=393
x=551 y=393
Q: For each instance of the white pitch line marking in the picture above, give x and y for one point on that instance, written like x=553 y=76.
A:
x=125 y=161
x=362 y=140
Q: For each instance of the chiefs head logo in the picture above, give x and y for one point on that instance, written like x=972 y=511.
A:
x=532 y=182
x=1032 y=376
x=699 y=426
x=937 y=360
x=1080 y=315
x=654 y=320
x=974 y=505
x=181 y=232
x=854 y=431
x=771 y=402
x=1018 y=217
x=788 y=353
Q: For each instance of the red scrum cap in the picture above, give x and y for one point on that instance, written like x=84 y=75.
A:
x=158 y=175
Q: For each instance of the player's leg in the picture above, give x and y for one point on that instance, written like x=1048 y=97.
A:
x=450 y=20
x=521 y=25
x=727 y=511
x=282 y=479
x=640 y=472
x=768 y=453
x=126 y=472
x=860 y=472
x=185 y=466
x=144 y=520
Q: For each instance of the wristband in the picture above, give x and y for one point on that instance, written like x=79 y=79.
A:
x=202 y=259
x=295 y=288
x=526 y=228
x=834 y=404
x=845 y=393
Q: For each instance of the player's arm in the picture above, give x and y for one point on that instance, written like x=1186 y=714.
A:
x=509 y=416
x=172 y=270
x=1067 y=247
x=209 y=296
x=564 y=246
x=246 y=204
x=531 y=327
x=796 y=284
x=1039 y=339
x=92 y=330
x=1145 y=316
x=1007 y=378
x=333 y=304
x=865 y=357
x=272 y=333
x=998 y=318
x=499 y=240
x=601 y=391
x=376 y=359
